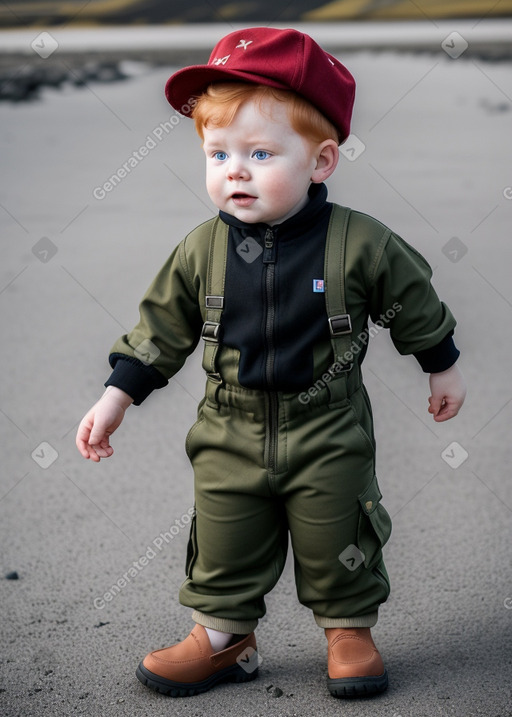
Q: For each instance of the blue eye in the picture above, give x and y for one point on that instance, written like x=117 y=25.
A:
x=261 y=154
x=220 y=156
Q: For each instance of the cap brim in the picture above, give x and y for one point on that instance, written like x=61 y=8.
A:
x=190 y=82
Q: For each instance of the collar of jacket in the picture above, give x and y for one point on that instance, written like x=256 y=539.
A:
x=302 y=220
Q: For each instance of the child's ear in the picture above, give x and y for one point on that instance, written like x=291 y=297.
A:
x=327 y=156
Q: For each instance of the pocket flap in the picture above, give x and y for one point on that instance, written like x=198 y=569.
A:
x=370 y=497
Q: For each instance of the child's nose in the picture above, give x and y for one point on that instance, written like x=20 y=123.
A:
x=236 y=169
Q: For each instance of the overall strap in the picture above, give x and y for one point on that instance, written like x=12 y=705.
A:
x=214 y=299
x=340 y=325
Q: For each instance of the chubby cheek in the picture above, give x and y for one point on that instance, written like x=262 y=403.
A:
x=285 y=188
x=213 y=185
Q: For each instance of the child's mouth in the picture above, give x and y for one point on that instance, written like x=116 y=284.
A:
x=242 y=200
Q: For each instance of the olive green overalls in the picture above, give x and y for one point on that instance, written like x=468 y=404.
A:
x=269 y=465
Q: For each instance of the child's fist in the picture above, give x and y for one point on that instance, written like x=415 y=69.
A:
x=448 y=393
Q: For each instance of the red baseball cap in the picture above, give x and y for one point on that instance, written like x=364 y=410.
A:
x=286 y=59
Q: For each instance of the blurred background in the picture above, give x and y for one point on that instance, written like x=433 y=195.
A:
x=92 y=37
x=72 y=13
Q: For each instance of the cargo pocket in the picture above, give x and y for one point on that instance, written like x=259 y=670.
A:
x=191 y=548
x=374 y=526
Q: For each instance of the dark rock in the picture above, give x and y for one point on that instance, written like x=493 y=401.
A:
x=24 y=84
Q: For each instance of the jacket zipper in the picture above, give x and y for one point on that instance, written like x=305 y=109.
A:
x=269 y=260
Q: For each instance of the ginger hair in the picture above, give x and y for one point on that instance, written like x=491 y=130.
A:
x=218 y=105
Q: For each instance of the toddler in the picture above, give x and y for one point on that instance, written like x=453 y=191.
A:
x=280 y=286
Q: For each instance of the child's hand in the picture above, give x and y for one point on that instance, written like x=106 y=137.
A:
x=92 y=438
x=448 y=393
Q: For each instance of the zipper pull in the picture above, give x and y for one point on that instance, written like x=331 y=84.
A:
x=269 y=254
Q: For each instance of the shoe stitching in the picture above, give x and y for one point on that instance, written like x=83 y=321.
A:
x=366 y=643
x=351 y=637
x=182 y=661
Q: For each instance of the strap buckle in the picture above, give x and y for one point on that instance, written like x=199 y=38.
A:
x=214 y=302
x=210 y=332
x=340 y=325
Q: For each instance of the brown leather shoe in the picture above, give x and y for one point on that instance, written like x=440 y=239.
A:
x=191 y=666
x=354 y=664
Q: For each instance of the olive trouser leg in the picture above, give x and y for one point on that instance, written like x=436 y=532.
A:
x=311 y=475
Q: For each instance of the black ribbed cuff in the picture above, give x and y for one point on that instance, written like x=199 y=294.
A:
x=440 y=357
x=133 y=377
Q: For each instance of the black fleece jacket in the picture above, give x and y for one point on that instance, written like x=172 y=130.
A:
x=274 y=324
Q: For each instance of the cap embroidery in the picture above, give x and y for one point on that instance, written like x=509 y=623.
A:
x=243 y=44
x=221 y=60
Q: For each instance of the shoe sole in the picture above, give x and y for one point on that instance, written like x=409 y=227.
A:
x=187 y=689
x=358 y=686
